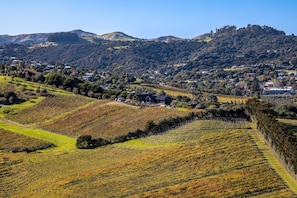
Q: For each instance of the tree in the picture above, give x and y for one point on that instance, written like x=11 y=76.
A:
x=54 y=79
x=149 y=125
x=69 y=83
x=84 y=142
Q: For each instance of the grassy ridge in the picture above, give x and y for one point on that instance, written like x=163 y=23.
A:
x=49 y=107
x=108 y=121
x=200 y=159
x=62 y=142
x=172 y=91
x=10 y=141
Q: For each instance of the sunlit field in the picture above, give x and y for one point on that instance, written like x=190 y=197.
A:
x=108 y=121
x=201 y=159
x=49 y=107
x=234 y=99
x=172 y=91
x=15 y=142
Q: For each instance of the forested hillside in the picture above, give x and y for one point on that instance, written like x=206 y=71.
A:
x=221 y=48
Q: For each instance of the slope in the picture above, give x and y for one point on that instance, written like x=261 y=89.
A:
x=201 y=159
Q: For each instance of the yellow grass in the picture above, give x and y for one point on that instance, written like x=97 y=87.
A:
x=272 y=159
x=108 y=121
x=172 y=91
x=227 y=98
x=49 y=107
x=288 y=121
x=10 y=141
x=201 y=159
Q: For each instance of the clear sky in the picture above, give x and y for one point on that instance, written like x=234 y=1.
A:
x=144 y=18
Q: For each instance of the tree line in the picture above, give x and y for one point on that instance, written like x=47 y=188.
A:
x=151 y=128
x=283 y=143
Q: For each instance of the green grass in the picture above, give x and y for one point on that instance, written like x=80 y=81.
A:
x=63 y=143
x=272 y=159
x=10 y=141
x=18 y=107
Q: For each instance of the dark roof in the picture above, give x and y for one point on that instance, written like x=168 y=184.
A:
x=161 y=97
x=144 y=96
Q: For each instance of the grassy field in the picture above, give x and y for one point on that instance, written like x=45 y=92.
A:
x=227 y=98
x=63 y=143
x=204 y=158
x=10 y=141
x=172 y=91
x=200 y=159
x=48 y=108
x=108 y=121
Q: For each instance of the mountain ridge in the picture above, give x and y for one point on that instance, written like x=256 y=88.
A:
x=40 y=38
x=226 y=47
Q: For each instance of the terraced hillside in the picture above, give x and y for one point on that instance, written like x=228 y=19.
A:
x=205 y=158
x=51 y=106
x=108 y=121
x=15 y=142
x=201 y=159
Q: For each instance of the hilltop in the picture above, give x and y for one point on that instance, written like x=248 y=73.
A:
x=226 y=47
x=117 y=36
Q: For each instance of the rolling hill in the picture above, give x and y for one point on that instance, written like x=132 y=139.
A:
x=203 y=158
x=167 y=39
x=115 y=53
x=117 y=36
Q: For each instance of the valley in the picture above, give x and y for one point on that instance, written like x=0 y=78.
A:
x=203 y=158
x=111 y=115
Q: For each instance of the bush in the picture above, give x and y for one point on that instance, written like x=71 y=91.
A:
x=86 y=142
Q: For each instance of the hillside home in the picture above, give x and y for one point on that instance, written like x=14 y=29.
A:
x=163 y=100
x=151 y=98
x=50 y=67
x=278 y=91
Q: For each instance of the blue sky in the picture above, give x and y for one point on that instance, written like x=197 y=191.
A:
x=144 y=18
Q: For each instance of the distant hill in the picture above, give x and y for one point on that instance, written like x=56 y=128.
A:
x=203 y=36
x=117 y=36
x=82 y=33
x=167 y=39
x=40 y=38
x=24 y=38
x=224 y=48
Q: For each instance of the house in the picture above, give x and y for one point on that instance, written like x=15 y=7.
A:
x=48 y=67
x=269 y=84
x=88 y=78
x=120 y=99
x=163 y=100
x=278 y=91
x=151 y=98
x=144 y=97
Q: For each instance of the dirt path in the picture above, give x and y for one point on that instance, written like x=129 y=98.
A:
x=273 y=160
